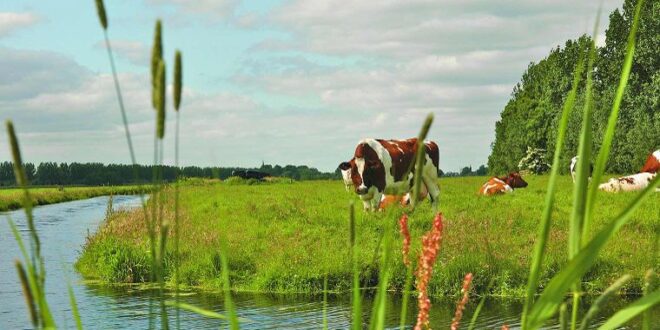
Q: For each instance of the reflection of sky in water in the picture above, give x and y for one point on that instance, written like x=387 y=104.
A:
x=63 y=228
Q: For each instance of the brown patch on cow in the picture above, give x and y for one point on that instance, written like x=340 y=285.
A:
x=652 y=164
x=627 y=180
x=402 y=153
x=492 y=187
x=374 y=171
x=433 y=152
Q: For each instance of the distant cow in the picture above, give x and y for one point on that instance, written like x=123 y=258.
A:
x=345 y=168
x=249 y=174
x=573 y=168
x=652 y=164
x=387 y=167
x=633 y=182
x=502 y=185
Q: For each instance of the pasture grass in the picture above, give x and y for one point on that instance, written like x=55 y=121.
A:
x=11 y=198
x=285 y=237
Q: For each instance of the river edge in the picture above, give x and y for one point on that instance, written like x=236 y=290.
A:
x=11 y=198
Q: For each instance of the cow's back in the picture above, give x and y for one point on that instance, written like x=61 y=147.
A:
x=652 y=164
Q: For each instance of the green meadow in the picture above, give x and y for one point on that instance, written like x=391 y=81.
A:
x=11 y=198
x=287 y=236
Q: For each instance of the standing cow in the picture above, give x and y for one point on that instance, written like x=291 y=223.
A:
x=652 y=164
x=573 y=168
x=387 y=167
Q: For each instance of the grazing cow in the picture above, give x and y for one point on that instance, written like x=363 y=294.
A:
x=573 y=168
x=652 y=164
x=249 y=174
x=502 y=185
x=632 y=182
x=387 y=167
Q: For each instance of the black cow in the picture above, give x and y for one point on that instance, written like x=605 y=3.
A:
x=249 y=174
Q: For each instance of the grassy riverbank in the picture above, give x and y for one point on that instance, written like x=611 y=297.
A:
x=11 y=198
x=285 y=237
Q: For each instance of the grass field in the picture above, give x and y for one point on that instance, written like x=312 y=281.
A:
x=285 y=237
x=10 y=198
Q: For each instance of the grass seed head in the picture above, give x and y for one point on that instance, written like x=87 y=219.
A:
x=160 y=99
x=29 y=297
x=100 y=9
x=178 y=80
x=156 y=56
x=19 y=171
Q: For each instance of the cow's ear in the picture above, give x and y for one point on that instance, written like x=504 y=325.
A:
x=344 y=166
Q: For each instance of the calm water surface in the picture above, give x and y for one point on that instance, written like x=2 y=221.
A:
x=63 y=228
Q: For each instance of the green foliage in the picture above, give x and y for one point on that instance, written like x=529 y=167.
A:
x=531 y=116
x=534 y=161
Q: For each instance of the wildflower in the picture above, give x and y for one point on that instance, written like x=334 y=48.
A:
x=461 y=304
x=403 y=227
x=430 y=246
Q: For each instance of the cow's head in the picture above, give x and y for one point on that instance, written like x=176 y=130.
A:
x=368 y=170
x=514 y=180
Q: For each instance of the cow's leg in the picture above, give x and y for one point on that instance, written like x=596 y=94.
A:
x=430 y=178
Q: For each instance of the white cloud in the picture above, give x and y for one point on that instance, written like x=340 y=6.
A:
x=10 y=21
x=133 y=51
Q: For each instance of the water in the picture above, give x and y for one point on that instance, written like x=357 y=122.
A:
x=63 y=228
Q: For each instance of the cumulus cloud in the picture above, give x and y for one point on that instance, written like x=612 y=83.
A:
x=11 y=21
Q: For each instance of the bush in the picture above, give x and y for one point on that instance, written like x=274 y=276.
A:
x=534 y=161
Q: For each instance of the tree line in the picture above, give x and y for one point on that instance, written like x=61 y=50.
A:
x=95 y=174
x=531 y=117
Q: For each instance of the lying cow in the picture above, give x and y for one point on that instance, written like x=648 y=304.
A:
x=502 y=185
x=573 y=168
x=387 y=167
x=633 y=182
x=390 y=200
x=652 y=164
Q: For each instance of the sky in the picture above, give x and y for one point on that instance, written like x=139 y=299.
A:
x=282 y=82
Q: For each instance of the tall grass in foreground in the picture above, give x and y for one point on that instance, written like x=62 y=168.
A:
x=584 y=255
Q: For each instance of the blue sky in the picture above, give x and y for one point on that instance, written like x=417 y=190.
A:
x=286 y=82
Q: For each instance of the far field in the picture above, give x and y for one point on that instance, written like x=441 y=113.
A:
x=11 y=198
x=285 y=237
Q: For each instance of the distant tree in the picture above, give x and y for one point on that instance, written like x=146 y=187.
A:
x=482 y=170
x=465 y=171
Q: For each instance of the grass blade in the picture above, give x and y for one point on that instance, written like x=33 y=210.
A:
x=405 y=298
x=229 y=303
x=325 y=302
x=27 y=292
x=357 y=306
x=379 y=311
x=475 y=316
x=600 y=301
x=553 y=294
x=544 y=226
x=603 y=154
x=419 y=159
x=74 y=307
x=632 y=310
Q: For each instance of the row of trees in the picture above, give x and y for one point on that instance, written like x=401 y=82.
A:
x=531 y=117
x=51 y=173
x=467 y=171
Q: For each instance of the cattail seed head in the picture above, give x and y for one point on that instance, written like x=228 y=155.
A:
x=178 y=79
x=156 y=56
x=29 y=297
x=160 y=100
x=19 y=171
x=100 y=9
x=430 y=247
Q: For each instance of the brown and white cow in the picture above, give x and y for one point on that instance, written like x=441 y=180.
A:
x=632 y=182
x=652 y=164
x=345 y=168
x=502 y=185
x=387 y=167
